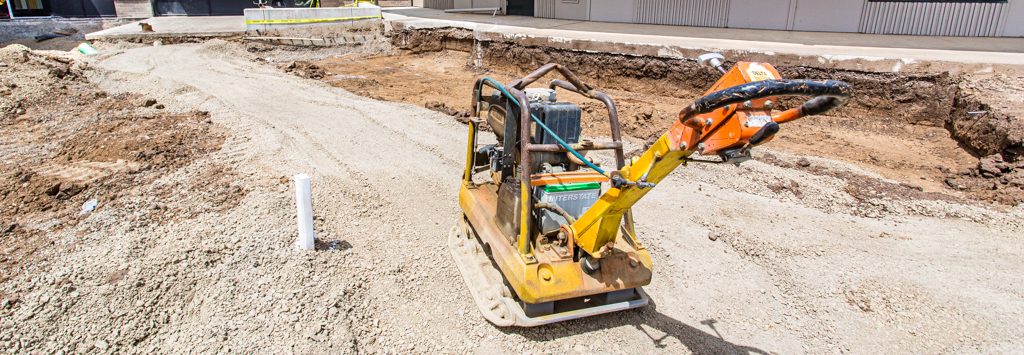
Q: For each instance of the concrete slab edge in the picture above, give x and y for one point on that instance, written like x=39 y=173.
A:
x=868 y=59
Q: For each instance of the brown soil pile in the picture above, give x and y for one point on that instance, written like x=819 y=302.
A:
x=304 y=69
x=64 y=142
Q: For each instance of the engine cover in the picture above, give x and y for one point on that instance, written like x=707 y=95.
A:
x=562 y=117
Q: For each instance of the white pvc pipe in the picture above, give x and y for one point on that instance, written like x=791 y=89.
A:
x=304 y=206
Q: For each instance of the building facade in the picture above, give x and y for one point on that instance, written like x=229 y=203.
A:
x=63 y=8
x=137 y=8
x=987 y=18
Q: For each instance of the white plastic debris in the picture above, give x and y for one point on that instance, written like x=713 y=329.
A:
x=89 y=206
x=304 y=215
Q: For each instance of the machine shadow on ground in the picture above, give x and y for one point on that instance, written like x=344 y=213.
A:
x=643 y=319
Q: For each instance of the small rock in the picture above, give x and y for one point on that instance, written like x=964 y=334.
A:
x=803 y=162
x=53 y=190
x=646 y=114
x=992 y=166
x=102 y=345
x=149 y=102
x=159 y=106
x=953 y=184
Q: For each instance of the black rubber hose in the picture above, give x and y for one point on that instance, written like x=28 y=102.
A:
x=766 y=131
x=828 y=94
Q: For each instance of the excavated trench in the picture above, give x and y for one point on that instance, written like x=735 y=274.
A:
x=934 y=130
x=932 y=99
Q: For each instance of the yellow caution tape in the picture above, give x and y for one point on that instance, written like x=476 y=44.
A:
x=308 y=20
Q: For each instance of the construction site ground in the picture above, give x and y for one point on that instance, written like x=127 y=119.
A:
x=888 y=226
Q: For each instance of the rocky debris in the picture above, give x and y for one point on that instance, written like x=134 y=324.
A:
x=994 y=179
x=85 y=144
x=32 y=76
x=305 y=69
x=646 y=114
x=994 y=166
x=792 y=187
x=988 y=115
x=953 y=184
x=63 y=192
x=871 y=196
x=418 y=41
x=461 y=115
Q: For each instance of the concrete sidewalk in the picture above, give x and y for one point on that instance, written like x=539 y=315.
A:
x=176 y=26
x=826 y=45
x=877 y=51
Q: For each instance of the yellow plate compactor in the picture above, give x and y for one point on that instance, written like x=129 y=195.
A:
x=547 y=234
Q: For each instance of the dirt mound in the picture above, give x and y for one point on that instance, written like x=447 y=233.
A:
x=66 y=143
x=304 y=69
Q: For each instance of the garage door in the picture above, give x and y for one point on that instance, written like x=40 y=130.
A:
x=520 y=7
x=83 y=8
x=229 y=7
x=201 y=7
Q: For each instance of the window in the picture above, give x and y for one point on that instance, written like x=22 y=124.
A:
x=947 y=1
x=30 y=7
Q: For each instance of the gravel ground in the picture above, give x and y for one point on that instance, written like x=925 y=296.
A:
x=739 y=267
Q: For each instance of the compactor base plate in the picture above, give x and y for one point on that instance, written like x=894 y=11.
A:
x=500 y=306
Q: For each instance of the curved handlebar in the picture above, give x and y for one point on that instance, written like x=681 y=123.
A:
x=829 y=94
